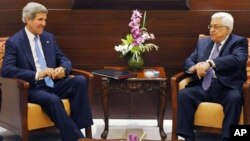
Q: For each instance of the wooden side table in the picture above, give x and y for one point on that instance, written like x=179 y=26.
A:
x=137 y=84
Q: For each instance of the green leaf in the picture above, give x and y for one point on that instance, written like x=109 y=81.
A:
x=125 y=42
x=136 y=49
x=130 y=38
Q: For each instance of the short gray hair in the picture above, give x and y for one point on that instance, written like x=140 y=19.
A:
x=227 y=19
x=31 y=9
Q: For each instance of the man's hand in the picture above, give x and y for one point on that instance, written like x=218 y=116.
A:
x=59 y=73
x=2 y=45
x=192 y=69
x=201 y=68
x=46 y=72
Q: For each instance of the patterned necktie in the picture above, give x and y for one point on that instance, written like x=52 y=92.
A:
x=48 y=81
x=209 y=75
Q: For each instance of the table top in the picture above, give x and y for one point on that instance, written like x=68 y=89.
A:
x=140 y=74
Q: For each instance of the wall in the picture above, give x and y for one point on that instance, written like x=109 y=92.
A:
x=88 y=37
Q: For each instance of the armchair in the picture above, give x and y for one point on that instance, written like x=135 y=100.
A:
x=21 y=117
x=206 y=112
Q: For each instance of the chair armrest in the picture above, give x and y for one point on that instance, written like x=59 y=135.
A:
x=175 y=86
x=246 y=97
x=178 y=78
x=13 y=99
x=90 y=77
x=175 y=80
x=82 y=72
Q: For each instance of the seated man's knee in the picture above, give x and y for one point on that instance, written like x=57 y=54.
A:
x=53 y=100
x=182 y=95
x=80 y=79
x=236 y=97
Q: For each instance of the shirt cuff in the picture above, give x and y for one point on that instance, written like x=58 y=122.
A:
x=36 y=77
x=211 y=63
x=189 y=71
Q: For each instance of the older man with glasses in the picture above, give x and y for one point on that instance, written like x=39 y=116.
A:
x=218 y=66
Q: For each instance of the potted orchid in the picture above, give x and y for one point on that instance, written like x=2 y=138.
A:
x=134 y=43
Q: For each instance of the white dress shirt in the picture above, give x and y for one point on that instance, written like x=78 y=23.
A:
x=31 y=38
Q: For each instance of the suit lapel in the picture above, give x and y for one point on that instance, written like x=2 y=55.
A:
x=27 y=49
x=210 y=47
x=46 y=46
x=225 y=45
x=208 y=50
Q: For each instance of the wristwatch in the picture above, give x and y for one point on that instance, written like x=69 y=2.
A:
x=210 y=63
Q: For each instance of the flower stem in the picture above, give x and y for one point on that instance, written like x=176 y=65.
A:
x=144 y=20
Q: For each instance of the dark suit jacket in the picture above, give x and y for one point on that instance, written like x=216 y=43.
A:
x=18 y=59
x=231 y=62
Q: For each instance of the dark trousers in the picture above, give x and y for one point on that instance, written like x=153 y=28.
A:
x=75 y=89
x=190 y=97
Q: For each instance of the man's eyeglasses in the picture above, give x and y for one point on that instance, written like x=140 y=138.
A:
x=215 y=26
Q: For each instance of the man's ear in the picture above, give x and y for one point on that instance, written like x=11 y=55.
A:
x=27 y=19
x=228 y=31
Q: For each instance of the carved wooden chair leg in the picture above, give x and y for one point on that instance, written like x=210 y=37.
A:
x=88 y=132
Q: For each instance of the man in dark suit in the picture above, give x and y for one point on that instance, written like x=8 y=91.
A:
x=32 y=54
x=218 y=65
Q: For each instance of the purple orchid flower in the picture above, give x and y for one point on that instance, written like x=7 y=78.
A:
x=135 y=27
x=138 y=35
x=132 y=137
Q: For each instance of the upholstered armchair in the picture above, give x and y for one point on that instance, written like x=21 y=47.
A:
x=21 y=117
x=208 y=116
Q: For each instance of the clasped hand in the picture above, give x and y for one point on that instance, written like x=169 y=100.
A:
x=200 y=69
x=2 y=45
x=56 y=73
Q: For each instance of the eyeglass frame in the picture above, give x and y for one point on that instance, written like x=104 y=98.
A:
x=216 y=27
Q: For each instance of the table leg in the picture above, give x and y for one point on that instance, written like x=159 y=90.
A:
x=162 y=106
x=105 y=102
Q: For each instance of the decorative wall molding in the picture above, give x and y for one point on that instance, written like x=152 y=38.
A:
x=131 y=4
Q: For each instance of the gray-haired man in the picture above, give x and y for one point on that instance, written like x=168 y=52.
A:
x=32 y=54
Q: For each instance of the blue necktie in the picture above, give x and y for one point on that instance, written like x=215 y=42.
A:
x=209 y=75
x=48 y=81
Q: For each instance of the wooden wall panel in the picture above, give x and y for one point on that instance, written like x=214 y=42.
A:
x=98 y=37
x=53 y=4
x=227 y=5
x=88 y=37
x=10 y=21
x=50 y=4
x=130 y=4
x=10 y=4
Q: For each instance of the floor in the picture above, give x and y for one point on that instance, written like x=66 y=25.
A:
x=119 y=129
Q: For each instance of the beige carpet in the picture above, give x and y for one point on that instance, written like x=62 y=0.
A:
x=119 y=129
